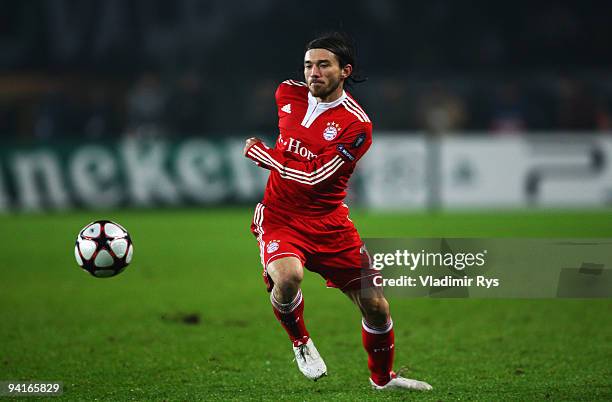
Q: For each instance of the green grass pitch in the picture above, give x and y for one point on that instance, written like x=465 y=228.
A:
x=130 y=337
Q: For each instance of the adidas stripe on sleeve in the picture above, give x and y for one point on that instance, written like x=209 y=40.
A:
x=326 y=166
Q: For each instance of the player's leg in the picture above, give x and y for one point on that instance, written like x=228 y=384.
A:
x=286 y=297
x=281 y=249
x=350 y=271
x=377 y=332
x=379 y=340
x=288 y=305
x=283 y=271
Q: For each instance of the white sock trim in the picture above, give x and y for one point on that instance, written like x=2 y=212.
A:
x=378 y=331
x=287 y=307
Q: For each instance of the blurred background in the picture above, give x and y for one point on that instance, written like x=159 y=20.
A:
x=107 y=104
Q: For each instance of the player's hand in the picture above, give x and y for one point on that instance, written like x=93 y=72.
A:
x=249 y=142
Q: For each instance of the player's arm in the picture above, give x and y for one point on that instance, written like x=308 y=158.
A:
x=339 y=157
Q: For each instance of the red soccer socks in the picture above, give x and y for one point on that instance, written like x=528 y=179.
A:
x=291 y=317
x=380 y=345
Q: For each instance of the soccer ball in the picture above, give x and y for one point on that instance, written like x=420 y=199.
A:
x=103 y=248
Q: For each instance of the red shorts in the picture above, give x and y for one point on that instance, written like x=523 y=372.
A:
x=328 y=245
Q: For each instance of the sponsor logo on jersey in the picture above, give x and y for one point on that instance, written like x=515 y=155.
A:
x=272 y=246
x=296 y=147
x=331 y=131
x=286 y=108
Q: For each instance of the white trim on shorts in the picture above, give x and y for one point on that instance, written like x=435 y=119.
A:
x=258 y=218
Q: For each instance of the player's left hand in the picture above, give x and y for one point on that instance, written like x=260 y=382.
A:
x=249 y=142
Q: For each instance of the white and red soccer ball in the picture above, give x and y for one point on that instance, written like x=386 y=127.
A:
x=103 y=248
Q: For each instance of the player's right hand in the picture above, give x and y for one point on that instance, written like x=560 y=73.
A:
x=250 y=142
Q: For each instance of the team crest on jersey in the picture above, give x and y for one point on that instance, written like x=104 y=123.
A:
x=331 y=131
x=272 y=246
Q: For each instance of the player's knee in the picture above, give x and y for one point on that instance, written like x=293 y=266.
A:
x=289 y=280
x=286 y=272
x=376 y=311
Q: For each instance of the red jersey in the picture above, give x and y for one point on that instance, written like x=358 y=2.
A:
x=316 y=151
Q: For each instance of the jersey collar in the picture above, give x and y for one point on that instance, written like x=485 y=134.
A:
x=316 y=108
x=326 y=105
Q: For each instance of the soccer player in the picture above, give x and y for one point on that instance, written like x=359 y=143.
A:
x=302 y=221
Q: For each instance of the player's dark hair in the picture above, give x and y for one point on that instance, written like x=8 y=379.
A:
x=343 y=47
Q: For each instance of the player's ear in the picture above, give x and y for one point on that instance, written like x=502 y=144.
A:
x=346 y=71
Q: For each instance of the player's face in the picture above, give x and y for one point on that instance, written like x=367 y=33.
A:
x=323 y=74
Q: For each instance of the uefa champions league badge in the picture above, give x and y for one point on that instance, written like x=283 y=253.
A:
x=272 y=246
x=331 y=131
